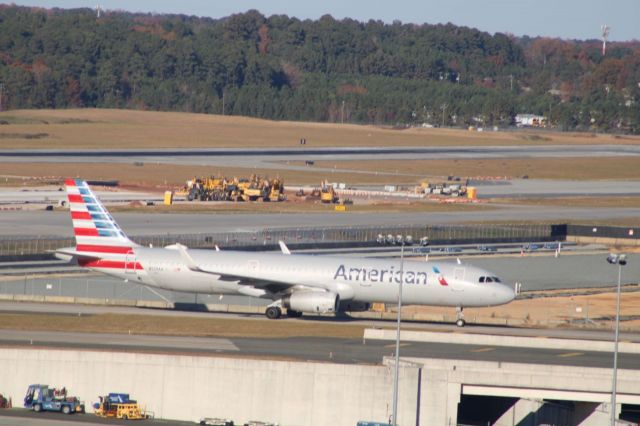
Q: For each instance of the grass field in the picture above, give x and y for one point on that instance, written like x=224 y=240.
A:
x=602 y=202
x=577 y=168
x=100 y=128
x=172 y=175
x=363 y=172
x=307 y=207
x=177 y=326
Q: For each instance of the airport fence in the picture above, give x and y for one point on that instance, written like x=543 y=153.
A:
x=268 y=238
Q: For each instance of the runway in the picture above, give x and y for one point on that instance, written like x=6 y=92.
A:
x=433 y=152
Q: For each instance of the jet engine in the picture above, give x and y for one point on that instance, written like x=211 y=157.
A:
x=350 y=306
x=311 y=301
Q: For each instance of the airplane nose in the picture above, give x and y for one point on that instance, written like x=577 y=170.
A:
x=505 y=294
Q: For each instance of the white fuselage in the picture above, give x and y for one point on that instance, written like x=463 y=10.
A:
x=270 y=275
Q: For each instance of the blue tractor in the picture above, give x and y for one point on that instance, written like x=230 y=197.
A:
x=43 y=398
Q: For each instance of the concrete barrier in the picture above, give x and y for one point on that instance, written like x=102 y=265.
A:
x=28 y=298
x=495 y=340
x=190 y=387
x=153 y=304
x=59 y=299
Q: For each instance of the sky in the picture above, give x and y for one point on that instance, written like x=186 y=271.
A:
x=568 y=19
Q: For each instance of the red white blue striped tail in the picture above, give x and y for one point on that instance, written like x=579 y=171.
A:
x=97 y=234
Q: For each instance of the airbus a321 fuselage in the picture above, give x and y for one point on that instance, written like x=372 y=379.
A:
x=295 y=282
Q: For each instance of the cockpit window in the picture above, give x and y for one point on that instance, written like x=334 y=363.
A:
x=489 y=280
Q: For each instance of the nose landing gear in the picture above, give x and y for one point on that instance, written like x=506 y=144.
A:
x=460 y=322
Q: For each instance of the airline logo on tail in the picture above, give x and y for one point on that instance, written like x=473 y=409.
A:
x=97 y=234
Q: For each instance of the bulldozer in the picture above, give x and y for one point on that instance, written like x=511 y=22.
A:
x=221 y=189
x=275 y=190
x=328 y=194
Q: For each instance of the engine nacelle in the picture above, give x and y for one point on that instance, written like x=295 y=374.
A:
x=351 y=306
x=311 y=301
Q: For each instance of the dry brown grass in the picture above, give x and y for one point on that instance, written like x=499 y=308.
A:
x=177 y=326
x=556 y=309
x=603 y=202
x=300 y=207
x=100 y=128
x=165 y=176
x=535 y=168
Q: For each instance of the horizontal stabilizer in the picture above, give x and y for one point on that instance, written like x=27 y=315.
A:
x=70 y=253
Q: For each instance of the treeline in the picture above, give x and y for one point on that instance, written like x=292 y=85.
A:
x=325 y=70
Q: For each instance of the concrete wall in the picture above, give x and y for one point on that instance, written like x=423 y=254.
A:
x=309 y=393
x=191 y=387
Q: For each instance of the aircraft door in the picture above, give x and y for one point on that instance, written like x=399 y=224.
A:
x=130 y=263
x=458 y=277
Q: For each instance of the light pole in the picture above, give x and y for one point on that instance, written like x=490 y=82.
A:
x=394 y=421
x=620 y=260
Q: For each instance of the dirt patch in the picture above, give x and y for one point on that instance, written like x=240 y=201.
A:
x=23 y=135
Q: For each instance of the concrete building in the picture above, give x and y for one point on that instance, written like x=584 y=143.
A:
x=530 y=120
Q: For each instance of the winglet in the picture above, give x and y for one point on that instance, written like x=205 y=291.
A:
x=186 y=258
x=284 y=248
x=217 y=248
x=459 y=261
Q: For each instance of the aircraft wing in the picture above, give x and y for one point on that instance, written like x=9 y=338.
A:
x=271 y=286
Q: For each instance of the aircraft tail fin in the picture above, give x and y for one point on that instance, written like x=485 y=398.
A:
x=97 y=233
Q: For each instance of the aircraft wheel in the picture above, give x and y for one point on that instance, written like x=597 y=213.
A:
x=273 y=312
x=460 y=322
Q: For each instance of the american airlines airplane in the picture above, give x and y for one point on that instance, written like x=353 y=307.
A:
x=295 y=282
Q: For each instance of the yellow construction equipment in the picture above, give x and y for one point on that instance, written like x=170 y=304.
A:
x=327 y=193
x=119 y=406
x=168 y=198
x=222 y=189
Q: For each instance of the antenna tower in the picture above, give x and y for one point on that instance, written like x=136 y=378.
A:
x=605 y=37
x=98 y=10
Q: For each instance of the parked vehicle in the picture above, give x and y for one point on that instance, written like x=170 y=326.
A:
x=43 y=398
x=214 y=421
x=119 y=406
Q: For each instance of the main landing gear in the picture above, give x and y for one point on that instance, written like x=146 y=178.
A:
x=460 y=322
x=275 y=312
